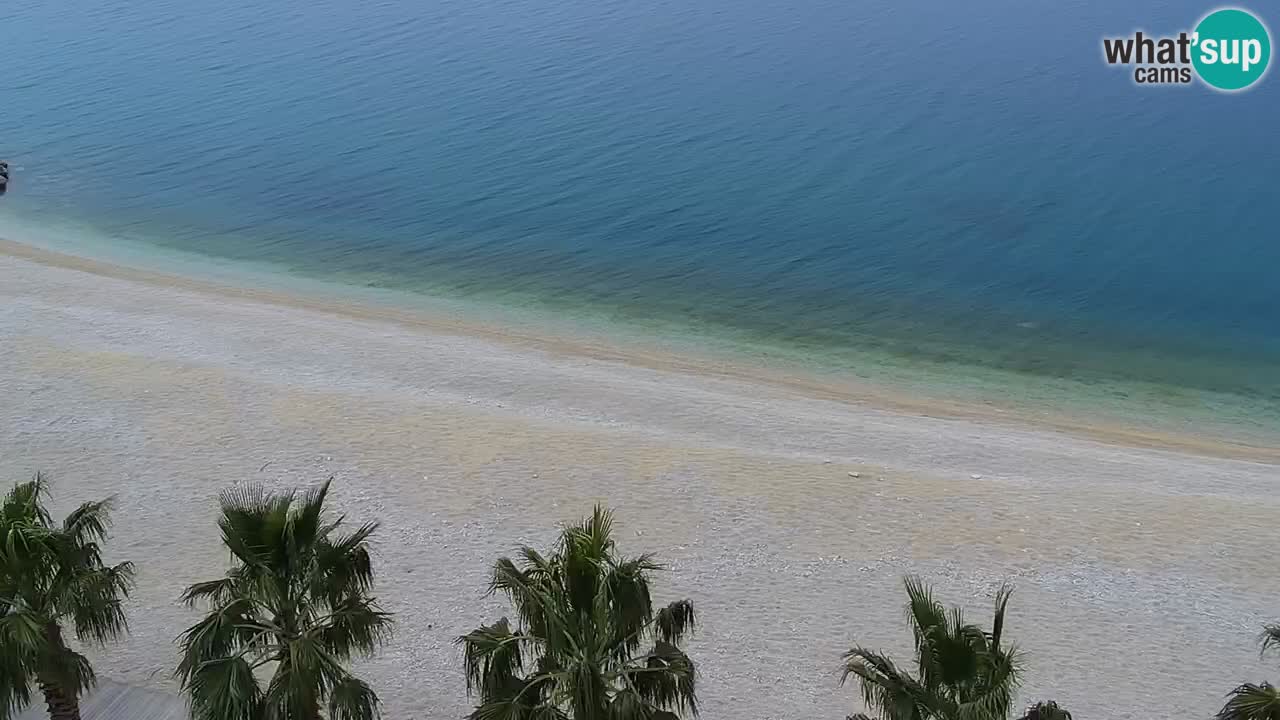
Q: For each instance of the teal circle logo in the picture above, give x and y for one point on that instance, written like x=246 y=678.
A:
x=1232 y=49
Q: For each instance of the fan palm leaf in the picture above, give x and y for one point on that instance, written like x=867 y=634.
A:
x=577 y=651
x=53 y=579
x=961 y=671
x=293 y=610
x=1252 y=702
x=1255 y=702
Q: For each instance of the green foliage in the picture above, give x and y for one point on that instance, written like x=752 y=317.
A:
x=1047 y=710
x=1252 y=702
x=52 y=577
x=962 y=672
x=576 y=653
x=295 y=606
x=1255 y=702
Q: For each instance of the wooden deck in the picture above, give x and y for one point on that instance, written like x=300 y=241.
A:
x=117 y=701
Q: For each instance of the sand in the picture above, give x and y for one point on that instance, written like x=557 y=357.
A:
x=1142 y=561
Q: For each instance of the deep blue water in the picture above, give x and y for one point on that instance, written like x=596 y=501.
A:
x=955 y=181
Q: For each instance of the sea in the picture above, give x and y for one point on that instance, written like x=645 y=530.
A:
x=940 y=195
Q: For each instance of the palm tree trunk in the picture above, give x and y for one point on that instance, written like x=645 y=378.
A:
x=62 y=705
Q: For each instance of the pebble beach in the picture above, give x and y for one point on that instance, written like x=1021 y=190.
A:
x=787 y=508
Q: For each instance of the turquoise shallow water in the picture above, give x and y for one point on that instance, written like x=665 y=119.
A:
x=937 y=186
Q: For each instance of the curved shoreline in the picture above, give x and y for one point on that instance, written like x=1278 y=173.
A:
x=610 y=350
x=783 y=506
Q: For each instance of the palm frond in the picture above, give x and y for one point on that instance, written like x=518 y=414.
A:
x=675 y=621
x=885 y=688
x=244 y=522
x=89 y=522
x=628 y=705
x=964 y=672
x=924 y=612
x=95 y=600
x=956 y=656
x=492 y=659
x=355 y=625
x=503 y=710
x=343 y=565
x=989 y=704
x=596 y=536
x=224 y=689
x=584 y=615
x=24 y=501
x=928 y=620
x=1270 y=637
x=52 y=576
x=626 y=588
x=536 y=566
x=352 y=699
x=296 y=601
x=1001 y=672
x=1251 y=702
x=30 y=546
x=529 y=594
x=997 y=624
x=305 y=522
x=227 y=631
x=16 y=674
x=585 y=555
x=21 y=634
x=214 y=592
x=668 y=679
x=305 y=676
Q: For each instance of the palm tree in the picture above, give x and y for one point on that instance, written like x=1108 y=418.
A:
x=52 y=576
x=1255 y=702
x=962 y=671
x=575 y=654
x=1047 y=710
x=292 y=610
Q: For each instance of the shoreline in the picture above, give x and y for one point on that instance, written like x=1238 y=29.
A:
x=617 y=350
x=782 y=506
